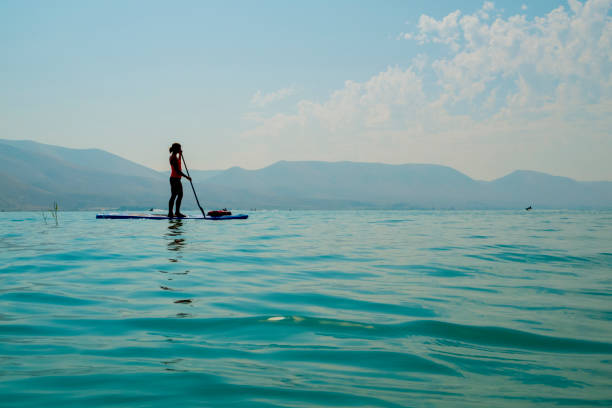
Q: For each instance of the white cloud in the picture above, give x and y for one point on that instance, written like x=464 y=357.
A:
x=559 y=50
x=357 y=105
x=443 y=31
x=486 y=8
x=512 y=92
x=261 y=99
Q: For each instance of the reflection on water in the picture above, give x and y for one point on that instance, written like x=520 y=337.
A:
x=176 y=244
x=175 y=240
x=175 y=227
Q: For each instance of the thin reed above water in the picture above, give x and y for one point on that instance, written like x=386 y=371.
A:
x=304 y=309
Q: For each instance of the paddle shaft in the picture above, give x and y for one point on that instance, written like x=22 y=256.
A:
x=193 y=189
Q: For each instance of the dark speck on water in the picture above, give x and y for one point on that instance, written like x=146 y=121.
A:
x=308 y=309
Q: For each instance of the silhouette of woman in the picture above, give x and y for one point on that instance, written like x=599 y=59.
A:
x=176 y=187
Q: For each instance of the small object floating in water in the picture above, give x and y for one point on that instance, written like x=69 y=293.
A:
x=219 y=213
x=275 y=318
x=145 y=216
x=528 y=208
x=183 y=301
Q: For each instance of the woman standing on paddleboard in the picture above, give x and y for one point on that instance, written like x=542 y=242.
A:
x=176 y=187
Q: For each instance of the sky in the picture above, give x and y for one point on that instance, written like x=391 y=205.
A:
x=484 y=87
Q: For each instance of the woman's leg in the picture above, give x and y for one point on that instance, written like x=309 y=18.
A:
x=171 y=204
x=173 y=194
x=179 y=198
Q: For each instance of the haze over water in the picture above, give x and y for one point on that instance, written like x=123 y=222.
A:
x=307 y=309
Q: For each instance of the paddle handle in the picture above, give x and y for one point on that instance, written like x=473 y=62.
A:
x=193 y=189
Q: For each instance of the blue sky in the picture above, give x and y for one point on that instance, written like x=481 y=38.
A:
x=484 y=87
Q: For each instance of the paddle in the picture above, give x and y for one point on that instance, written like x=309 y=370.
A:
x=194 y=193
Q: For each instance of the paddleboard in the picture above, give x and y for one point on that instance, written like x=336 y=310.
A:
x=150 y=216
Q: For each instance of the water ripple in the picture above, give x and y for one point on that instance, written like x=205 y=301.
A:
x=308 y=309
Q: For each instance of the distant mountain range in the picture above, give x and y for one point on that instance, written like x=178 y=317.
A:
x=34 y=175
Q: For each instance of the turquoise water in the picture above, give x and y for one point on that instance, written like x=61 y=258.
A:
x=305 y=309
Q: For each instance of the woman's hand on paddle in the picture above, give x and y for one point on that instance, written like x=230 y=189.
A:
x=188 y=178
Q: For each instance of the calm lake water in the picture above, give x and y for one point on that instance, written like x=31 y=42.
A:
x=306 y=309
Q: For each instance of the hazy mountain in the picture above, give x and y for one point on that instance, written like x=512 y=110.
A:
x=546 y=191
x=352 y=185
x=33 y=175
x=201 y=175
x=90 y=159
x=410 y=186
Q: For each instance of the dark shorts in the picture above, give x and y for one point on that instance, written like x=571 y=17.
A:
x=176 y=187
